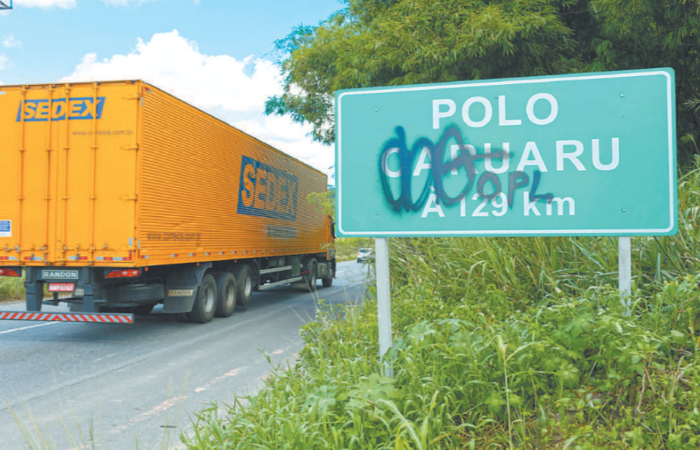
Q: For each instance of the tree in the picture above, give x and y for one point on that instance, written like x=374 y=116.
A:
x=398 y=42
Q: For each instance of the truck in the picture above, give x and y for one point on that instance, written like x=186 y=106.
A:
x=117 y=196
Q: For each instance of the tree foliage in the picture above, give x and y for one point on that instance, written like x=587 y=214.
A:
x=398 y=42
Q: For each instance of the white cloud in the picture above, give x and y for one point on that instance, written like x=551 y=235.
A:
x=283 y=134
x=215 y=83
x=3 y=61
x=10 y=41
x=65 y=4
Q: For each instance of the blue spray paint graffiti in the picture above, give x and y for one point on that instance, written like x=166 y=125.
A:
x=439 y=169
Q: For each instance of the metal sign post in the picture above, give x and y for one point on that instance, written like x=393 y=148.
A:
x=624 y=260
x=383 y=298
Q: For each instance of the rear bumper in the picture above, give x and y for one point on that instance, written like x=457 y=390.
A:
x=67 y=317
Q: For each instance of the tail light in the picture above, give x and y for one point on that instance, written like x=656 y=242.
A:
x=125 y=273
x=9 y=273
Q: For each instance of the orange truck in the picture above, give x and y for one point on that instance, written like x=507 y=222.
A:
x=117 y=196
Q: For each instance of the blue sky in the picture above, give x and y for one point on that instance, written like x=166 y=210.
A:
x=216 y=54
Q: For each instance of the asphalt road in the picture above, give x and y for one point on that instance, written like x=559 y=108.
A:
x=67 y=385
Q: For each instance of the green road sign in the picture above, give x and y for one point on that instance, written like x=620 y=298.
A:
x=582 y=154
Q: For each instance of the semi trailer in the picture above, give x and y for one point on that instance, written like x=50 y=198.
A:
x=117 y=196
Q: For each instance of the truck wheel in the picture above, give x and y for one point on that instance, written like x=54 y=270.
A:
x=328 y=282
x=312 y=276
x=144 y=310
x=244 y=280
x=205 y=303
x=226 y=288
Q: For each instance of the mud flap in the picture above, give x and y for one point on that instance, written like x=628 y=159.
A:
x=181 y=288
x=179 y=299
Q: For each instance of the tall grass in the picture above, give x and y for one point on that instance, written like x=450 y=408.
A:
x=11 y=288
x=498 y=343
x=346 y=248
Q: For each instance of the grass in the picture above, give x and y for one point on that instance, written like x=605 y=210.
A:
x=346 y=248
x=498 y=343
x=11 y=289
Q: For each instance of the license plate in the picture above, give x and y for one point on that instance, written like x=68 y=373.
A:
x=61 y=287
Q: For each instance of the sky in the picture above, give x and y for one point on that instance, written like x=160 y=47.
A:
x=218 y=55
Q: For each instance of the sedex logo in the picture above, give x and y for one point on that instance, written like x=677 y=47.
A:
x=82 y=108
x=266 y=191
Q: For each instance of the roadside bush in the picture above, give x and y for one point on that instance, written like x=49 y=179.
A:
x=577 y=369
x=346 y=248
x=11 y=288
x=498 y=343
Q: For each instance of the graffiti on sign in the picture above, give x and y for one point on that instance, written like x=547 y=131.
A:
x=565 y=155
x=427 y=155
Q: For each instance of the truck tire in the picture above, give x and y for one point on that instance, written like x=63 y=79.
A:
x=244 y=280
x=312 y=277
x=328 y=282
x=205 y=303
x=227 y=293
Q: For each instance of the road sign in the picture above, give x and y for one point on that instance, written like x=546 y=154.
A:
x=580 y=154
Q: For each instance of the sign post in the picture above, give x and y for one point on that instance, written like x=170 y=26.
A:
x=571 y=155
x=624 y=261
x=383 y=298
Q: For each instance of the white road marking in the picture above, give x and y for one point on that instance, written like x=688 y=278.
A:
x=231 y=373
x=26 y=328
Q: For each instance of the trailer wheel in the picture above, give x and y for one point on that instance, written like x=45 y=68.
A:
x=244 y=280
x=328 y=282
x=227 y=290
x=312 y=276
x=205 y=303
x=330 y=274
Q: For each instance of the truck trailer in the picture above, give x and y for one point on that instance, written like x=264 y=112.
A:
x=117 y=196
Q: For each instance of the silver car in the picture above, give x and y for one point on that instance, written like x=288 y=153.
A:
x=365 y=254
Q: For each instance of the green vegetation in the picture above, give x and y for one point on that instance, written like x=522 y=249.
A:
x=498 y=343
x=346 y=248
x=398 y=42
x=11 y=288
